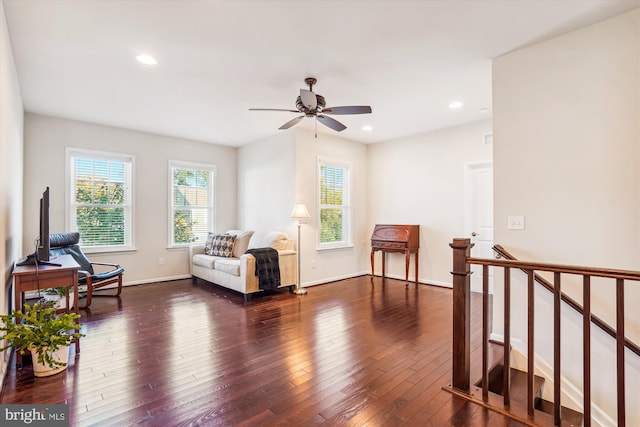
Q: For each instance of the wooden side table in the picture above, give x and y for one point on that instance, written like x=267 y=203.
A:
x=407 y=256
x=32 y=278
x=395 y=238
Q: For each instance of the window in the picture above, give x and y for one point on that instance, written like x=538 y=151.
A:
x=334 y=192
x=191 y=211
x=99 y=199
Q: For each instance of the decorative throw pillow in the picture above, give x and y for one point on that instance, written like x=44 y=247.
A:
x=242 y=243
x=208 y=246
x=277 y=240
x=222 y=245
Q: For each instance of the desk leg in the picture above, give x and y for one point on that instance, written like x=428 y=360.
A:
x=17 y=303
x=75 y=307
x=373 y=252
x=384 y=260
x=416 y=266
x=407 y=260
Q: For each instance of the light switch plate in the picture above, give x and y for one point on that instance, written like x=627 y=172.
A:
x=515 y=222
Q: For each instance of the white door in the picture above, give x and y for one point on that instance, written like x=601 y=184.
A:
x=479 y=217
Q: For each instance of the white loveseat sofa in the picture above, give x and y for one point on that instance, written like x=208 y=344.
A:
x=238 y=271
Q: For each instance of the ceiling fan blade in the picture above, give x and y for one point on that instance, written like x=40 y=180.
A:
x=273 y=109
x=309 y=99
x=332 y=123
x=351 y=109
x=291 y=122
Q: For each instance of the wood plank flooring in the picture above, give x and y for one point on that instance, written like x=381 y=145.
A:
x=350 y=353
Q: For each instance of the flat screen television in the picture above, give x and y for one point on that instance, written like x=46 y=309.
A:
x=41 y=254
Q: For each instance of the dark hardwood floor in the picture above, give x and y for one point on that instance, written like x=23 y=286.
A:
x=352 y=353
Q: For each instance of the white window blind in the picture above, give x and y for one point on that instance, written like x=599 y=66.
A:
x=334 y=194
x=192 y=202
x=100 y=198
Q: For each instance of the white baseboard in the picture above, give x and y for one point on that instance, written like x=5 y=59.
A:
x=420 y=281
x=155 y=279
x=332 y=279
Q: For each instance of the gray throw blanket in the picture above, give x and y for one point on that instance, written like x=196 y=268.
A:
x=267 y=267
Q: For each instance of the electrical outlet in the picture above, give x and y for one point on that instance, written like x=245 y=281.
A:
x=161 y=261
x=313 y=263
x=515 y=222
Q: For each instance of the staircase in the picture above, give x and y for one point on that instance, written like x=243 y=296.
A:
x=518 y=394
x=518 y=382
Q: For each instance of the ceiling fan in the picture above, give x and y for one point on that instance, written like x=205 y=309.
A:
x=313 y=105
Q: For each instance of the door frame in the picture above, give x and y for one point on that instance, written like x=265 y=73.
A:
x=469 y=169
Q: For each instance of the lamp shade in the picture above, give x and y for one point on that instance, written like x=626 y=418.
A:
x=300 y=211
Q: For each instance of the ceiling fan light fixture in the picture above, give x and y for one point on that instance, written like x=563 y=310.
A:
x=311 y=104
x=146 y=59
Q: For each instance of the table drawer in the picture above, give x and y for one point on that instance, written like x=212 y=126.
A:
x=388 y=245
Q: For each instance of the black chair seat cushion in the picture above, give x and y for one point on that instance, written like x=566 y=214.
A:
x=99 y=277
x=69 y=244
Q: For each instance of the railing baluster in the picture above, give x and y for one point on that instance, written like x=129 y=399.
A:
x=530 y=340
x=556 y=348
x=620 y=349
x=485 y=333
x=586 y=348
x=506 y=370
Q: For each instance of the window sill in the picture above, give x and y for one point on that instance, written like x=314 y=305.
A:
x=98 y=251
x=334 y=247
x=182 y=247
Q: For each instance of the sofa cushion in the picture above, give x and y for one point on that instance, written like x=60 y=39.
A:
x=221 y=245
x=228 y=265
x=203 y=260
x=269 y=239
x=242 y=241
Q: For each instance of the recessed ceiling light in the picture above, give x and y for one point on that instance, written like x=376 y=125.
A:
x=146 y=59
x=455 y=105
x=367 y=128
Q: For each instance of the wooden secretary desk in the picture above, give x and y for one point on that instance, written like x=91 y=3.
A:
x=396 y=238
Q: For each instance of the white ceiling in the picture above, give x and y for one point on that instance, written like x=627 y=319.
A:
x=407 y=59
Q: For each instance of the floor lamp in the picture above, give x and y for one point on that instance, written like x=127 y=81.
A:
x=300 y=213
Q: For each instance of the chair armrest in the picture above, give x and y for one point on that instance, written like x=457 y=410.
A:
x=108 y=264
x=85 y=273
x=195 y=250
x=288 y=264
x=286 y=252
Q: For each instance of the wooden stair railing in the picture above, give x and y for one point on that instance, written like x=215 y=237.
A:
x=571 y=302
x=460 y=384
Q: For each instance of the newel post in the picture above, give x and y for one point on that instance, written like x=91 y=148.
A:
x=461 y=313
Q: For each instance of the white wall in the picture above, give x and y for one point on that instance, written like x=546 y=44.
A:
x=420 y=180
x=276 y=173
x=11 y=142
x=567 y=157
x=45 y=142
x=266 y=184
x=321 y=266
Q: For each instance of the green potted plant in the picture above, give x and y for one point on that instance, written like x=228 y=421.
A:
x=38 y=329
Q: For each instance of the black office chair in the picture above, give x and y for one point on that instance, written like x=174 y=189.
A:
x=67 y=244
